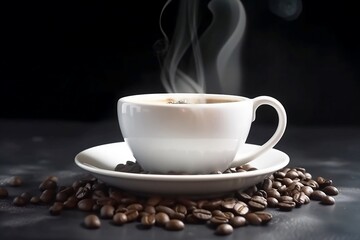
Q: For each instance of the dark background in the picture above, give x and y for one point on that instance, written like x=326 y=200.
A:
x=74 y=60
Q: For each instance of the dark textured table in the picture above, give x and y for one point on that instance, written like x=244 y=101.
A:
x=36 y=149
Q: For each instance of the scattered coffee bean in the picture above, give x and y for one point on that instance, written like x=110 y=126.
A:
x=224 y=229
x=237 y=221
x=92 y=221
x=56 y=208
x=330 y=190
x=285 y=189
x=161 y=218
x=174 y=225
x=3 y=193
x=317 y=195
x=19 y=201
x=15 y=181
x=107 y=211
x=120 y=218
x=327 y=200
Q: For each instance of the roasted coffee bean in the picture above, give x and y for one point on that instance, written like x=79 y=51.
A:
x=285 y=198
x=307 y=190
x=237 y=221
x=202 y=214
x=241 y=208
x=170 y=212
x=253 y=219
x=148 y=220
x=228 y=203
x=323 y=182
x=266 y=184
x=308 y=176
x=150 y=209
x=244 y=197
x=216 y=220
x=132 y=215
x=174 y=225
x=213 y=204
x=187 y=202
x=217 y=213
x=61 y=197
x=120 y=218
x=86 y=204
x=83 y=192
x=273 y=193
x=71 y=202
x=179 y=208
x=279 y=174
x=35 y=200
x=161 y=218
x=317 y=195
x=153 y=201
x=327 y=200
x=47 y=184
x=19 y=201
x=106 y=201
x=275 y=185
x=331 y=190
x=287 y=181
x=92 y=221
x=168 y=202
x=286 y=205
x=224 y=229
x=311 y=183
x=135 y=206
x=47 y=196
x=27 y=196
x=264 y=216
x=301 y=198
x=107 y=211
x=251 y=190
x=292 y=174
x=272 y=202
x=56 y=208
x=294 y=187
x=257 y=203
x=99 y=194
x=3 y=193
x=127 y=200
x=15 y=181
x=229 y=215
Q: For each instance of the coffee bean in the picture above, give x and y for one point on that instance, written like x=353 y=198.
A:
x=148 y=220
x=154 y=201
x=15 y=181
x=253 y=219
x=331 y=190
x=187 y=202
x=228 y=203
x=213 y=204
x=216 y=220
x=83 y=192
x=71 y=202
x=19 y=201
x=272 y=202
x=92 y=221
x=132 y=215
x=237 y=221
x=279 y=174
x=35 y=200
x=285 y=198
x=106 y=201
x=286 y=205
x=275 y=185
x=120 y=218
x=3 y=193
x=86 y=204
x=266 y=184
x=301 y=198
x=135 y=206
x=179 y=208
x=317 y=195
x=47 y=184
x=224 y=229
x=202 y=214
x=241 y=208
x=170 y=212
x=56 y=208
x=107 y=211
x=327 y=200
x=257 y=203
x=287 y=181
x=27 y=196
x=323 y=182
x=264 y=216
x=47 y=196
x=161 y=218
x=244 y=197
x=149 y=209
x=273 y=193
x=307 y=190
x=311 y=183
x=174 y=225
x=292 y=174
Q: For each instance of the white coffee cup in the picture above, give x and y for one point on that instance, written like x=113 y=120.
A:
x=192 y=133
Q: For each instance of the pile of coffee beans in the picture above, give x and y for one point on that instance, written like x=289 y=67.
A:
x=284 y=190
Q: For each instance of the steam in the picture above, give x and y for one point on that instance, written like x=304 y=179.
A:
x=286 y=9
x=207 y=61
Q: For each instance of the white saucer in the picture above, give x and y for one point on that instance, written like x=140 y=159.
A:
x=101 y=161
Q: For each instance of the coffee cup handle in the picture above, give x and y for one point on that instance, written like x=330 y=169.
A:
x=244 y=158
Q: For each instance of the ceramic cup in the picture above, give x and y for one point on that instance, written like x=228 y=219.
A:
x=192 y=133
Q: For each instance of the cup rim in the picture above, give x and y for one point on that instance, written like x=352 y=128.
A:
x=139 y=99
